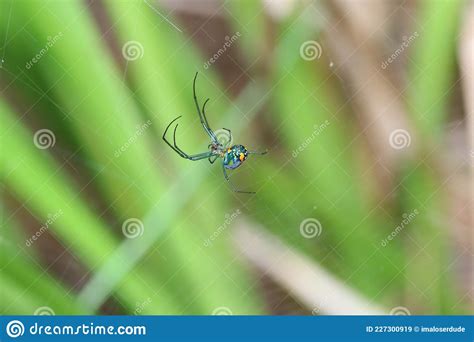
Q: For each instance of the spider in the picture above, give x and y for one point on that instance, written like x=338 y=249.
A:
x=232 y=157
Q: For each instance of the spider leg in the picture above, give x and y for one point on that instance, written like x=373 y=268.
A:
x=166 y=140
x=183 y=154
x=257 y=152
x=213 y=158
x=175 y=147
x=226 y=176
x=202 y=117
x=230 y=136
x=204 y=114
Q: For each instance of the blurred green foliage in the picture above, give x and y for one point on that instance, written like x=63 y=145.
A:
x=93 y=100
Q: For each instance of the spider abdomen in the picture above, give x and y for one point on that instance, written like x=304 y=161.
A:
x=234 y=156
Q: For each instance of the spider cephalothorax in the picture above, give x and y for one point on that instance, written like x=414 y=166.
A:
x=232 y=157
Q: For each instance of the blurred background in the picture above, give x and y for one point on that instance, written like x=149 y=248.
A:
x=363 y=204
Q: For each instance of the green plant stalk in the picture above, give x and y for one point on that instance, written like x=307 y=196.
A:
x=433 y=65
x=27 y=280
x=161 y=91
x=24 y=168
x=35 y=282
x=432 y=80
x=104 y=116
x=430 y=267
x=248 y=18
x=32 y=174
x=25 y=306
x=29 y=277
x=100 y=106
